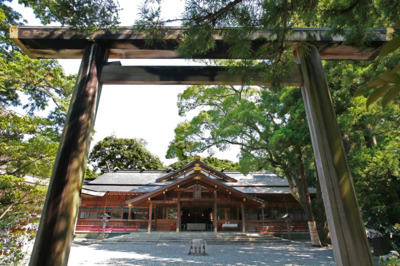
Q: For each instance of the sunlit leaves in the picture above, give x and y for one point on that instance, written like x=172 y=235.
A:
x=27 y=145
x=122 y=153
x=387 y=86
x=43 y=81
x=83 y=15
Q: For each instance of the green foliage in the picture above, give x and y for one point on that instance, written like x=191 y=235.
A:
x=387 y=86
x=123 y=154
x=27 y=145
x=23 y=197
x=84 y=15
x=39 y=80
x=241 y=19
x=371 y=138
x=91 y=174
x=19 y=202
x=217 y=164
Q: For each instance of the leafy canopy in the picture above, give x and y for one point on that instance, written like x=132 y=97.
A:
x=112 y=152
x=83 y=15
x=242 y=18
x=217 y=164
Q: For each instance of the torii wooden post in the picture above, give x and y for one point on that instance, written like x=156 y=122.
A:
x=347 y=230
x=55 y=234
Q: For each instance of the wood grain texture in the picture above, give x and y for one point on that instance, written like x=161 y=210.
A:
x=55 y=234
x=192 y=75
x=346 y=227
x=63 y=42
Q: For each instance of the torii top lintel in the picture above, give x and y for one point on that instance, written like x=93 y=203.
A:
x=63 y=42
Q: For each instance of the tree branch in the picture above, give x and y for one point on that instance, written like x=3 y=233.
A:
x=214 y=16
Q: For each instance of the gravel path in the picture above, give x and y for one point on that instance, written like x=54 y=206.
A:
x=296 y=253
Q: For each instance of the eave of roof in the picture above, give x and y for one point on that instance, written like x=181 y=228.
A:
x=191 y=166
x=192 y=177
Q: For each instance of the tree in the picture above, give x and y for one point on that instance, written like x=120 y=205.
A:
x=83 y=15
x=27 y=145
x=20 y=206
x=242 y=18
x=387 y=86
x=27 y=149
x=218 y=164
x=113 y=153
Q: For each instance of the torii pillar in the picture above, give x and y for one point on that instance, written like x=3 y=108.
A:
x=55 y=234
x=350 y=244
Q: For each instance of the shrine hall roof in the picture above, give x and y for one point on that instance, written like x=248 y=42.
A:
x=137 y=181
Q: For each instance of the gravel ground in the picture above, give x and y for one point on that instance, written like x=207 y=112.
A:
x=296 y=253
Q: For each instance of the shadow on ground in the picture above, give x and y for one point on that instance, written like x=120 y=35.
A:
x=296 y=253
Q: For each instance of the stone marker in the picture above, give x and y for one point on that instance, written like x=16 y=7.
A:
x=197 y=247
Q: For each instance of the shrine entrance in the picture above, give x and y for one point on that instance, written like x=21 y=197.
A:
x=196 y=218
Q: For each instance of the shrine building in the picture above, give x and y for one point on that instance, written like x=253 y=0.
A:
x=195 y=197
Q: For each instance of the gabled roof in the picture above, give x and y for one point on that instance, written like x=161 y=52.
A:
x=141 y=182
x=196 y=165
x=198 y=177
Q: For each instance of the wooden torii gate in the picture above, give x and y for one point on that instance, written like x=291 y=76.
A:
x=55 y=234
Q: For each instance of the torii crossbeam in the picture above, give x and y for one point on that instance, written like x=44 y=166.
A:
x=54 y=237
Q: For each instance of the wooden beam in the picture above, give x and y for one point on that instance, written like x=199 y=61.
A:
x=172 y=201
x=63 y=42
x=55 y=234
x=346 y=227
x=192 y=75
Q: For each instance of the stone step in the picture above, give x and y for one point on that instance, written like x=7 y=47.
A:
x=210 y=238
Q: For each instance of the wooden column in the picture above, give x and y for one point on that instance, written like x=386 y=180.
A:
x=150 y=214
x=178 y=213
x=129 y=214
x=243 y=218
x=215 y=212
x=347 y=230
x=55 y=233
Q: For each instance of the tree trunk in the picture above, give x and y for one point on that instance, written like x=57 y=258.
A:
x=320 y=218
x=299 y=188
x=307 y=206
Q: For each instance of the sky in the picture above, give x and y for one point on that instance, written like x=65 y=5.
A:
x=137 y=111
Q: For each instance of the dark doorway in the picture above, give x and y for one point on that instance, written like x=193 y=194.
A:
x=197 y=215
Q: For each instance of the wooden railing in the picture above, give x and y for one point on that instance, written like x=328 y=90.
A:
x=109 y=228
x=281 y=229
